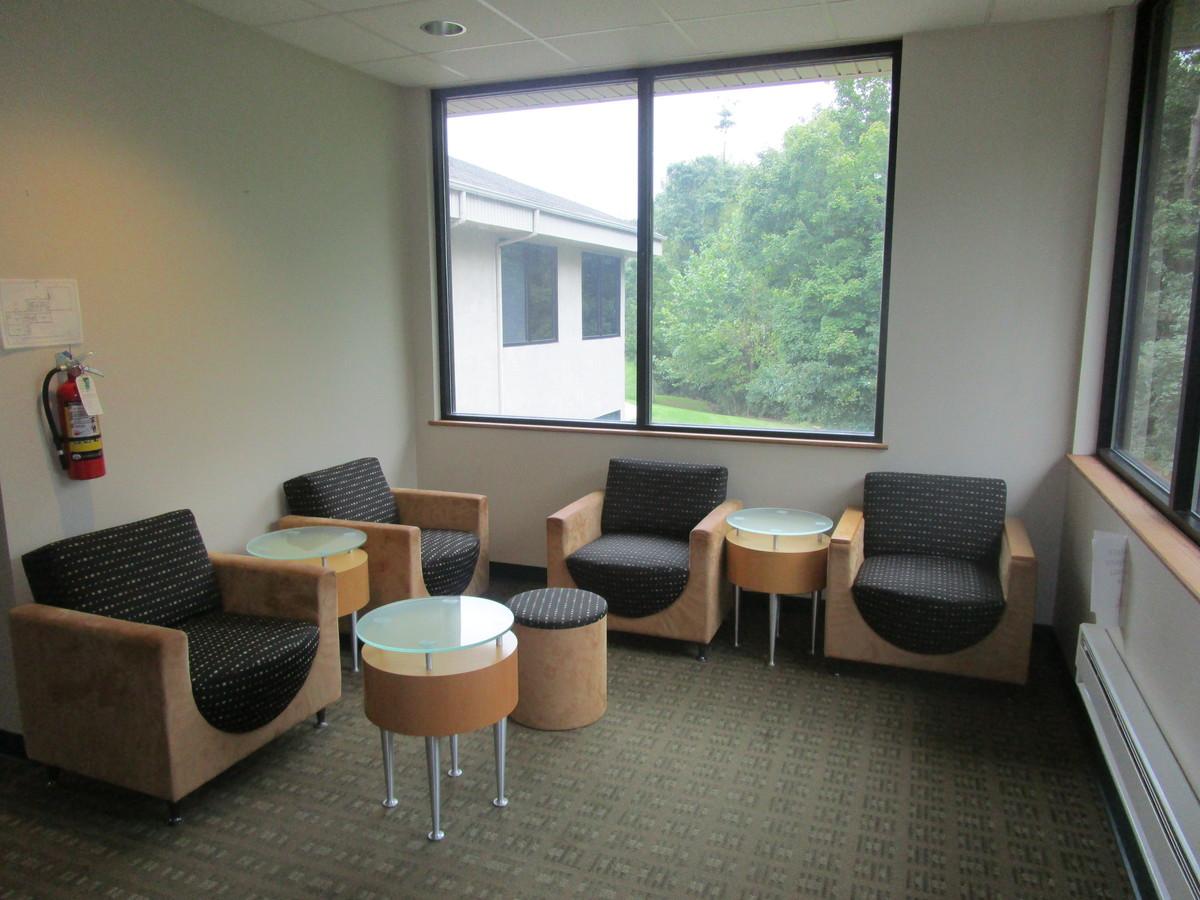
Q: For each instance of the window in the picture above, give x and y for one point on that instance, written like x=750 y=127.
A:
x=1150 y=424
x=721 y=235
x=601 y=295
x=529 y=285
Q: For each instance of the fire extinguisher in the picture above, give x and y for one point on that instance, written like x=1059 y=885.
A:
x=75 y=429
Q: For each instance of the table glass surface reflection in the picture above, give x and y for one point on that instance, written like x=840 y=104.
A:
x=434 y=624
x=778 y=521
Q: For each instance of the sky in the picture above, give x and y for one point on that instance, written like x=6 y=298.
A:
x=588 y=152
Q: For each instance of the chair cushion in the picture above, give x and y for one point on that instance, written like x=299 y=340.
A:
x=557 y=608
x=646 y=496
x=933 y=515
x=928 y=604
x=448 y=560
x=355 y=490
x=246 y=669
x=154 y=571
x=638 y=574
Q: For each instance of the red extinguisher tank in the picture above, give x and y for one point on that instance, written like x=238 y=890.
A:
x=80 y=431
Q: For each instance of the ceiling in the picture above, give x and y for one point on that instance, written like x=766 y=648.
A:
x=507 y=39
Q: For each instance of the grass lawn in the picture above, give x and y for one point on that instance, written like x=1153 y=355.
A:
x=673 y=410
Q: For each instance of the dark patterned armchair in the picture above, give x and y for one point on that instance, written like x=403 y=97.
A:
x=149 y=663
x=652 y=545
x=929 y=574
x=419 y=543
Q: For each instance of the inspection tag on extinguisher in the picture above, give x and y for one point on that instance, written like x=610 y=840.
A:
x=88 y=395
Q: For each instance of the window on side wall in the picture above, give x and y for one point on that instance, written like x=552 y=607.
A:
x=1150 y=422
x=699 y=248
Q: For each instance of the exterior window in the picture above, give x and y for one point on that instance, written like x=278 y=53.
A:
x=529 y=283
x=601 y=295
x=720 y=231
x=1150 y=423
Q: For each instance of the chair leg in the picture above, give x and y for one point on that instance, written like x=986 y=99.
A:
x=173 y=815
x=52 y=773
x=321 y=723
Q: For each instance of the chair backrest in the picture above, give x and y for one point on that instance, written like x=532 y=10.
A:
x=648 y=496
x=355 y=490
x=154 y=571
x=933 y=515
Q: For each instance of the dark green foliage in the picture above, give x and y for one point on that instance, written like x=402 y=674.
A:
x=767 y=294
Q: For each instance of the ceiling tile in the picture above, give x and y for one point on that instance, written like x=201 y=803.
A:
x=1025 y=10
x=349 y=5
x=625 y=46
x=336 y=38
x=261 y=12
x=402 y=24
x=706 y=9
x=497 y=63
x=778 y=29
x=412 y=71
x=555 y=19
x=859 y=19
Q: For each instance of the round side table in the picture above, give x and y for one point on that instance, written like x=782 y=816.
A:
x=337 y=548
x=777 y=551
x=439 y=666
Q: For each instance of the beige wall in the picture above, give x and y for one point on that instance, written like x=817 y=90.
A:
x=995 y=190
x=1159 y=620
x=231 y=208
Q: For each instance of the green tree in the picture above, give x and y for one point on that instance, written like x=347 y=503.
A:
x=772 y=304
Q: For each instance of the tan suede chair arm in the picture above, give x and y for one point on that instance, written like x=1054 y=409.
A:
x=1018 y=565
x=846 y=552
x=706 y=546
x=442 y=509
x=284 y=590
x=96 y=692
x=572 y=527
x=393 y=556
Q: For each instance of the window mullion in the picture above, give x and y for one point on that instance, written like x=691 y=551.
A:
x=1187 y=438
x=645 y=245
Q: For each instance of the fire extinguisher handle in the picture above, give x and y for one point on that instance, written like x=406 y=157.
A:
x=54 y=432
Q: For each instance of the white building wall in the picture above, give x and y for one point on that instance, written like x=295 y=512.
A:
x=570 y=378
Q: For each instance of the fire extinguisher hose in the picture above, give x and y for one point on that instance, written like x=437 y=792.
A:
x=54 y=433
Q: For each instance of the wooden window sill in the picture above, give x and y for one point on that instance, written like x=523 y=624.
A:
x=1176 y=551
x=689 y=435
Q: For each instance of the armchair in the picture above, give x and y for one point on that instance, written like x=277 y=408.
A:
x=419 y=543
x=652 y=545
x=929 y=574
x=132 y=666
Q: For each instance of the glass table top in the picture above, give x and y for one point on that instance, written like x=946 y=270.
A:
x=776 y=521
x=306 y=543
x=434 y=624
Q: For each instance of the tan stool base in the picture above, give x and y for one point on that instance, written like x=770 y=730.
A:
x=563 y=676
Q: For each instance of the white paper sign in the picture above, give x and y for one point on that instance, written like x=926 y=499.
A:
x=1108 y=577
x=40 y=312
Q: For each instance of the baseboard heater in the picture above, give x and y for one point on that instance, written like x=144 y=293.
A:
x=1162 y=807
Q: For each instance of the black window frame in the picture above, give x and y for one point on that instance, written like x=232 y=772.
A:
x=1147 y=83
x=523 y=247
x=620 y=271
x=645 y=78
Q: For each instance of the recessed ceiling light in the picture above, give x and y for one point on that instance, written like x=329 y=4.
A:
x=443 y=28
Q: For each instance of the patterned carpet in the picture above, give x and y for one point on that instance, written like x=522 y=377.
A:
x=723 y=779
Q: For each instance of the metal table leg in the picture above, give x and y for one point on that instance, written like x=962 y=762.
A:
x=816 y=608
x=389 y=799
x=500 y=735
x=432 y=752
x=454 y=771
x=774 y=625
x=737 y=612
x=354 y=639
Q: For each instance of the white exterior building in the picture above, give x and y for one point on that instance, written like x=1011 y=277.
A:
x=527 y=341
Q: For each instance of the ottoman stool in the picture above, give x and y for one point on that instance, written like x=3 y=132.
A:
x=563 y=670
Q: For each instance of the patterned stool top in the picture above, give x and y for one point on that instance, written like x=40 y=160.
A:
x=557 y=608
